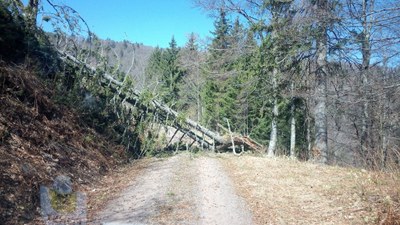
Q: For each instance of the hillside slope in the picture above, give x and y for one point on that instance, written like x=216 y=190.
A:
x=39 y=140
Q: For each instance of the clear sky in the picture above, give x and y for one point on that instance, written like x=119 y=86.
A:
x=151 y=22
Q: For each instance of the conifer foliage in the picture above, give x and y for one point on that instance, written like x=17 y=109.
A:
x=286 y=73
x=165 y=70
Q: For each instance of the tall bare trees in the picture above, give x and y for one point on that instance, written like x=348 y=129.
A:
x=365 y=38
x=370 y=28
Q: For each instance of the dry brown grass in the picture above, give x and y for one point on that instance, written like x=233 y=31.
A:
x=284 y=191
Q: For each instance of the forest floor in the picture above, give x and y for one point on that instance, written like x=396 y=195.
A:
x=41 y=139
x=225 y=189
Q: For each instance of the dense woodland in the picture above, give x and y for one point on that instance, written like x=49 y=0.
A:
x=308 y=79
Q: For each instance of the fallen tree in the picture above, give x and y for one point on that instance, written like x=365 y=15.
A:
x=187 y=126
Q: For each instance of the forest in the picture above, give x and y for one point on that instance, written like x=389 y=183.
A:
x=313 y=81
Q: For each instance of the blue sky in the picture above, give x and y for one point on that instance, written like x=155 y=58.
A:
x=151 y=22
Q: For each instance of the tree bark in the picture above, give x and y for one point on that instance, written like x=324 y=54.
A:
x=198 y=108
x=230 y=133
x=384 y=133
x=309 y=145
x=275 y=112
x=366 y=58
x=320 y=113
x=292 y=125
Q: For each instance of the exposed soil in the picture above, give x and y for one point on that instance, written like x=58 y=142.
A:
x=178 y=190
x=217 y=199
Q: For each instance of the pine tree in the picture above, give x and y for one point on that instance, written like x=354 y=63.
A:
x=191 y=44
x=215 y=69
x=190 y=59
x=156 y=64
x=220 y=42
x=237 y=40
x=245 y=80
x=164 y=68
x=173 y=74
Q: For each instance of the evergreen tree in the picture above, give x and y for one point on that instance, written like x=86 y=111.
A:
x=216 y=72
x=224 y=80
x=192 y=43
x=156 y=63
x=246 y=83
x=190 y=59
x=164 y=67
x=220 y=42
x=237 y=38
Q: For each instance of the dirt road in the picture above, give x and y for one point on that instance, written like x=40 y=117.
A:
x=178 y=190
x=205 y=189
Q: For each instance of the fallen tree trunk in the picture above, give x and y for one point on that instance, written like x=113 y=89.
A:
x=154 y=103
x=132 y=99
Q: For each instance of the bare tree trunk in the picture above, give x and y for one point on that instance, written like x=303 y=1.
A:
x=198 y=109
x=292 y=125
x=274 y=125
x=385 y=123
x=366 y=58
x=293 y=133
x=233 y=142
x=309 y=152
x=383 y=131
x=321 y=123
x=307 y=111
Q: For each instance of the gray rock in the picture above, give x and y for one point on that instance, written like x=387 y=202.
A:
x=62 y=185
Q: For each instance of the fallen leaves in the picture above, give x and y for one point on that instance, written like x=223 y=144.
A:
x=40 y=140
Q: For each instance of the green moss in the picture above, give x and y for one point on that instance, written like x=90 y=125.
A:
x=63 y=203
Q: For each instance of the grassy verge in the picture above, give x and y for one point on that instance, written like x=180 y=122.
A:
x=283 y=191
